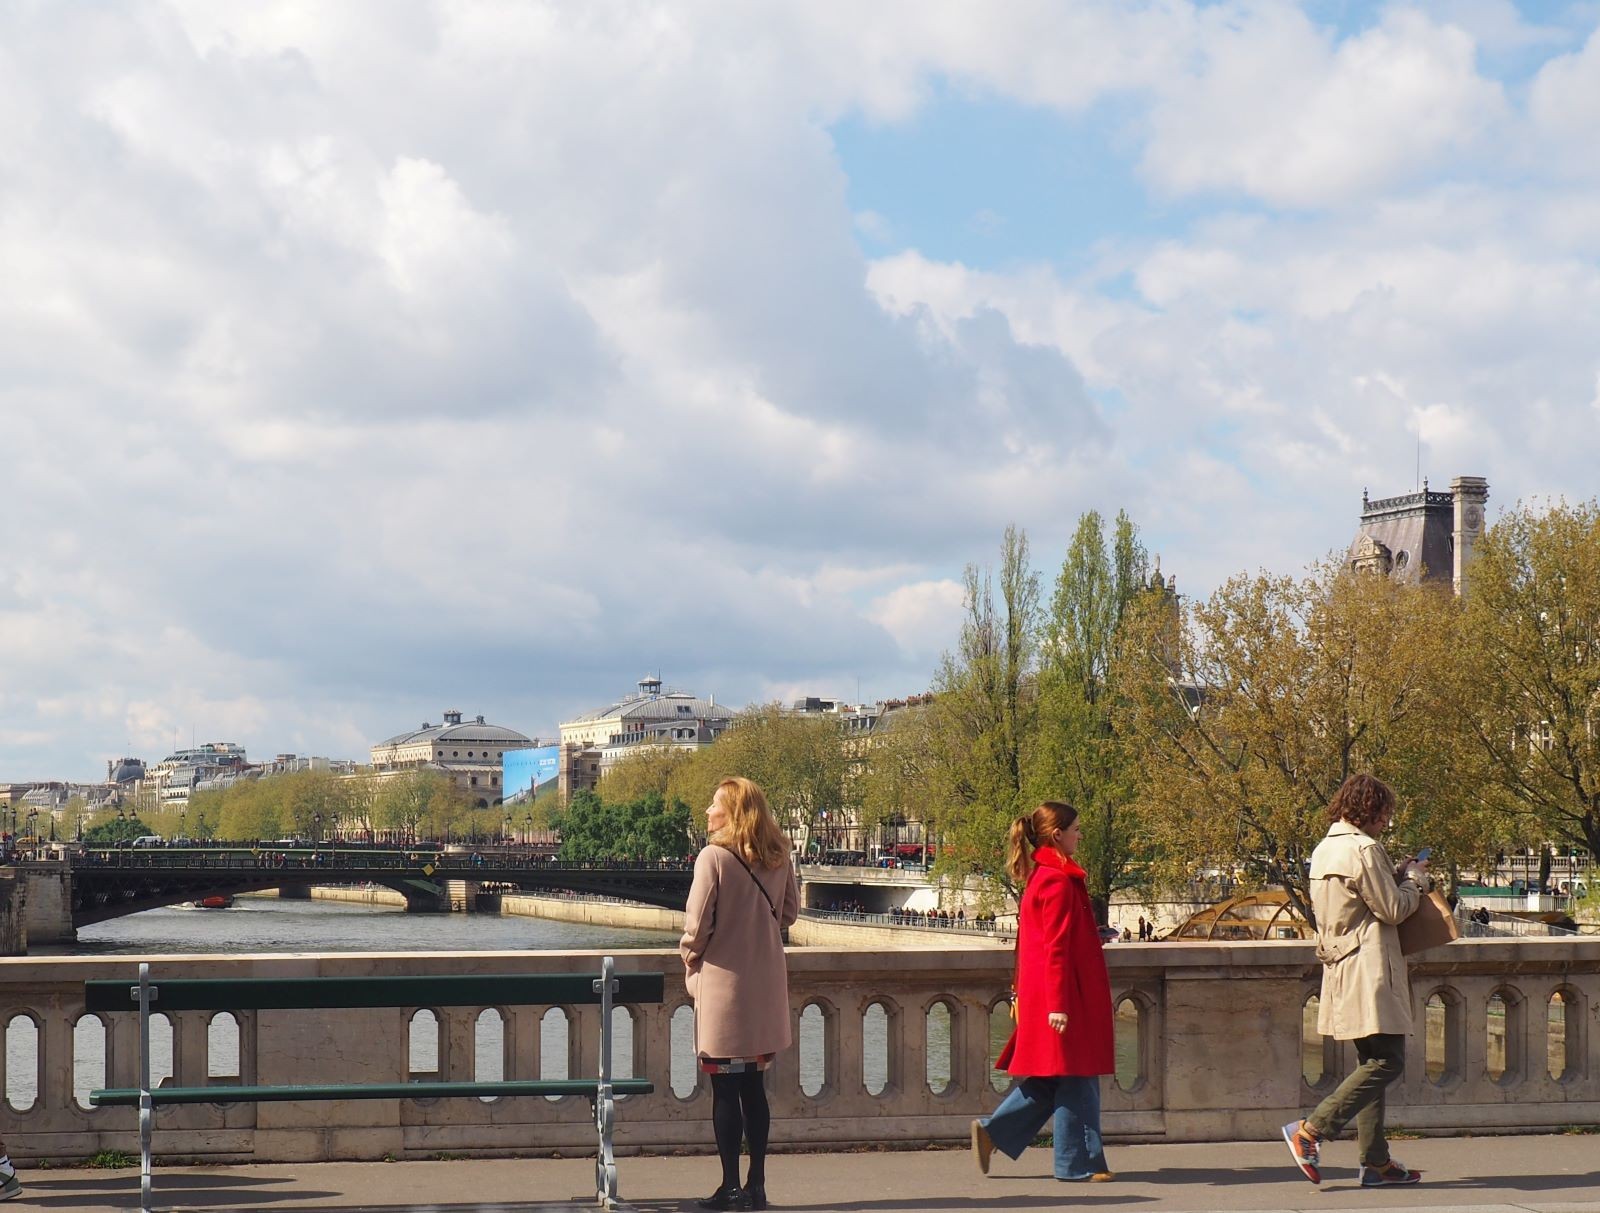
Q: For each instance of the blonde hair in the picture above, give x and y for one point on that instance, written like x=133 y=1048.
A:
x=1028 y=832
x=752 y=831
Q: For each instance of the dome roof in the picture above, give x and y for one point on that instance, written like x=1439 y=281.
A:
x=454 y=729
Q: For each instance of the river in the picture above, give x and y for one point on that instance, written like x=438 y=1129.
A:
x=266 y=924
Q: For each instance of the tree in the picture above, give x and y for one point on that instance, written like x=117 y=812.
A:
x=1533 y=612
x=643 y=770
x=642 y=830
x=981 y=717
x=110 y=829
x=1077 y=753
x=1290 y=686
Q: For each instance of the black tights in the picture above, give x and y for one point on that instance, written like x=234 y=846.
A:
x=739 y=1111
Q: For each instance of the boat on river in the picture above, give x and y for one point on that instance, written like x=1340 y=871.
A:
x=216 y=901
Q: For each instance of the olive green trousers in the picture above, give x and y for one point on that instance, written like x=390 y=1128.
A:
x=1360 y=1097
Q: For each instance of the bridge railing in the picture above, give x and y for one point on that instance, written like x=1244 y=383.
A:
x=1215 y=1042
x=354 y=858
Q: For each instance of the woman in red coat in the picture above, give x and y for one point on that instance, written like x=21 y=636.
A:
x=1063 y=1040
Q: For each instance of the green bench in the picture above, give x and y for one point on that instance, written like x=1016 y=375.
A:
x=332 y=993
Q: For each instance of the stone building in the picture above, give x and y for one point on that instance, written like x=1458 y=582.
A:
x=591 y=744
x=468 y=752
x=1423 y=536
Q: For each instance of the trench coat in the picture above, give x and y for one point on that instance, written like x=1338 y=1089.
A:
x=1061 y=966
x=732 y=950
x=1359 y=905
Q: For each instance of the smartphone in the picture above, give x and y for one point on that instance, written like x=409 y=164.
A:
x=1422 y=855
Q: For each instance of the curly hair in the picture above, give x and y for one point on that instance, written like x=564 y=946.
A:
x=1363 y=800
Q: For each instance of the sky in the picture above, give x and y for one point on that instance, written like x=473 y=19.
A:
x=366 y=360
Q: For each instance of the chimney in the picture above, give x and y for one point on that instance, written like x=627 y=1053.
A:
x=1471 y=494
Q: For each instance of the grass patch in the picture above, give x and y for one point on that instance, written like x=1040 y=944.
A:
x=112 y=1160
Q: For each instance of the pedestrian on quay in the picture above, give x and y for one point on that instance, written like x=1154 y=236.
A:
x=10 y=1185
x=1061 y=1001
x=1359 y=899
x=743 y=896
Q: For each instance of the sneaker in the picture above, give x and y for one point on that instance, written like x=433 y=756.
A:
x=1391 y=1173
x=1304 y=1149
x=982 y=1146
x=12 y=1186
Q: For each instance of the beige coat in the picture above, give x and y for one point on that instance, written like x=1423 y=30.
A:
x=732 y=950
x=1358 y=904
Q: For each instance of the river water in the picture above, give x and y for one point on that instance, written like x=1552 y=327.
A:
x=265 y=924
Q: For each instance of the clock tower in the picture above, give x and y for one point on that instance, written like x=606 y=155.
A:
x=1471 y=494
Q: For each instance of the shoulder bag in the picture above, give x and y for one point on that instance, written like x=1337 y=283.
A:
x=765 y=895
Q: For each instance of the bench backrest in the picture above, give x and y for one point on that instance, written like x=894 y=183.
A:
x=305 y=993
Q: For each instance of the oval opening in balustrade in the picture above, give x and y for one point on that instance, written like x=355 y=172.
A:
x=489 y=1049
x=22 y=1062
x=1563 y=1028
x=1000 y=1026
x=936 y=1030
x=554 y=1049
x=422 y=1054
x=88 y=1058
x=161 y=1042
x=1438 y=1024
x=621 y=1044
x=875 y=1048
x=1312 y=1068
x=1128 y=1025
x=222 y=1046
x=813 y=1049
x=684 y=1070
x=1494 y=1060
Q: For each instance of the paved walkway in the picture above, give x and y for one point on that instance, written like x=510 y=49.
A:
x=1474 y=1175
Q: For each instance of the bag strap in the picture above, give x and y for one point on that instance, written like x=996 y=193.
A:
x=755 y=878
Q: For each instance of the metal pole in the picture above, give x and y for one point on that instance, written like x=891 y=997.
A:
x=605 y=1166
x=146 y=1108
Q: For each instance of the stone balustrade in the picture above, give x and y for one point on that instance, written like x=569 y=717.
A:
x=895 y=1047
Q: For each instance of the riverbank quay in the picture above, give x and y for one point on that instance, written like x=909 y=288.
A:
x=814 y=929
x=900 y=1046
x=1535 y=1174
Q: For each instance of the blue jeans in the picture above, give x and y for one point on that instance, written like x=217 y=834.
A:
x=1073 y=1101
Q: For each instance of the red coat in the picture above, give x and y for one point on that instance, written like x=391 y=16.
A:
x=1060 y=967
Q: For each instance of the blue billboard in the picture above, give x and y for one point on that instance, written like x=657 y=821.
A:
x=525 y=774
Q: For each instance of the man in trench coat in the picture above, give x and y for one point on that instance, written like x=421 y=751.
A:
x=1359 y=900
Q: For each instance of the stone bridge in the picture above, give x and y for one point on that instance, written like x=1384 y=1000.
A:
x=100 y=884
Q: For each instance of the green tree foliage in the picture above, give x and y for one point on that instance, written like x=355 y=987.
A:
x=644 y=770
x=645 y=829
x=983 y=713
x=1533 y=615
x=1290 y=686
x=1076 y=753
x=109 y=829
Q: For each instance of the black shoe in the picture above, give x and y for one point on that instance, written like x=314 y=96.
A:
x=757 y=1196
x=726 y=1198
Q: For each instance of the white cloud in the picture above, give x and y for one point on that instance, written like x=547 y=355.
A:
x=357 y=361
x=1280 y=111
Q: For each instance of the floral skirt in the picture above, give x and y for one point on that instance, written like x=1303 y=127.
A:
x=736 y=1065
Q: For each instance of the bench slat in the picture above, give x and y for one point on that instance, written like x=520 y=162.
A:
x=129 y=1096
x=308 y=993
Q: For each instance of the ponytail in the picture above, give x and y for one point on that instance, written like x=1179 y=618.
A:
x=1020 y=845
x=1026 y=833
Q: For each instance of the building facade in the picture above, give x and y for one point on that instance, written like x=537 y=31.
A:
x=1423 y=537
x=653 y=716
x=469 y=752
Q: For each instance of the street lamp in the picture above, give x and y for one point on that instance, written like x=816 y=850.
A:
x=505 y=834
x=527 y=829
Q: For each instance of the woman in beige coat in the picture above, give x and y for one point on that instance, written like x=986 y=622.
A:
x=1359 y=900
x=744 y=895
